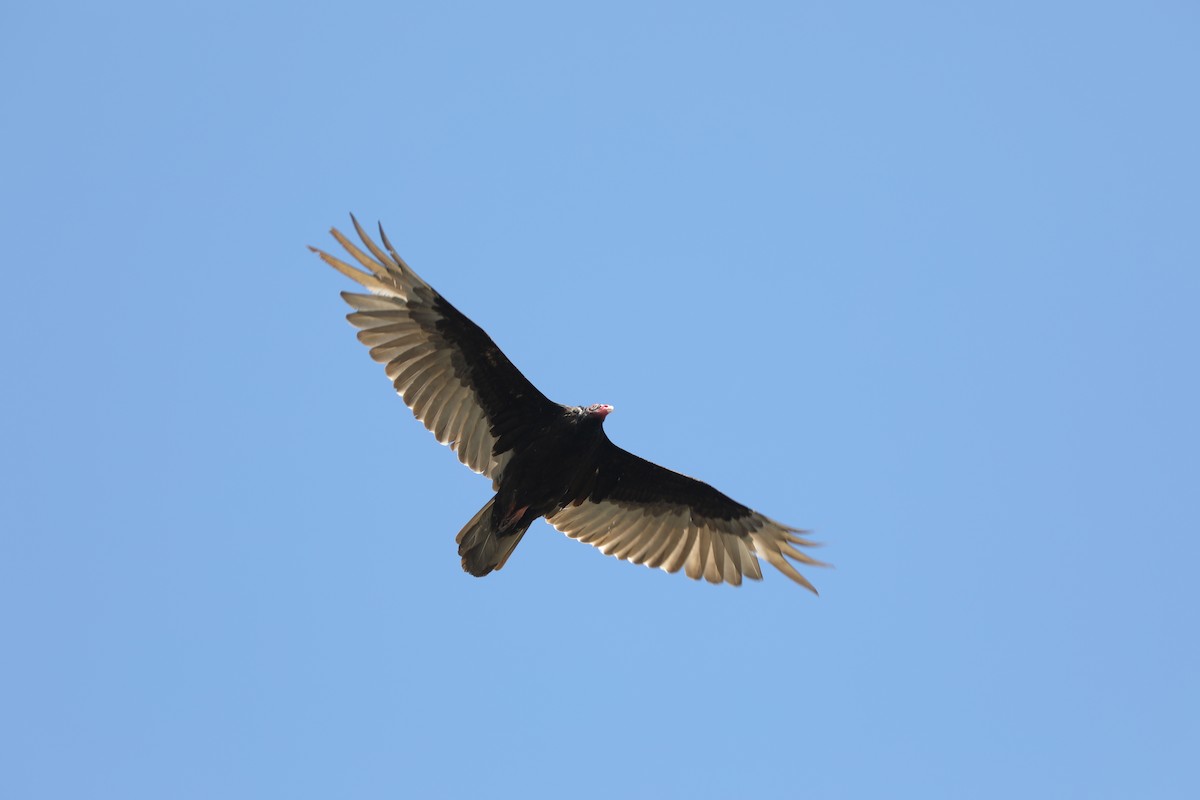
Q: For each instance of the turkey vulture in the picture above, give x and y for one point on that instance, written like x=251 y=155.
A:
x=544 y=459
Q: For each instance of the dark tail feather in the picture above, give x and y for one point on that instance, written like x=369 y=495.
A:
x=481 y=548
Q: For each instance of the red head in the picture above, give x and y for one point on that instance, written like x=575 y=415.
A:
x=599 y=410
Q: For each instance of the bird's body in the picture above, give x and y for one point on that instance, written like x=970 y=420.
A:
x=537 y=482
x=545 y=459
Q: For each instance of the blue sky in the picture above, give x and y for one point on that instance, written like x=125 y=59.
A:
x=923 y=278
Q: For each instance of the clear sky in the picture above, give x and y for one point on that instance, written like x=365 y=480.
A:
x=924 y=278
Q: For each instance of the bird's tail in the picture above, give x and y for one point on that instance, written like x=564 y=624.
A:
x=482 y=547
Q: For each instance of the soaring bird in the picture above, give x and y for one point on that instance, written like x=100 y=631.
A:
x=544 y=459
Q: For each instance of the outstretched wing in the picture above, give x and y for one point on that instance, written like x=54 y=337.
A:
x=638 y=511
x=449 y=372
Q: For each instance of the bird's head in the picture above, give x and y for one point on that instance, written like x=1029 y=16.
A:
x=597 y=411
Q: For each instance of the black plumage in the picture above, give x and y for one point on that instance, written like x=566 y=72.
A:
x=544 y=459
